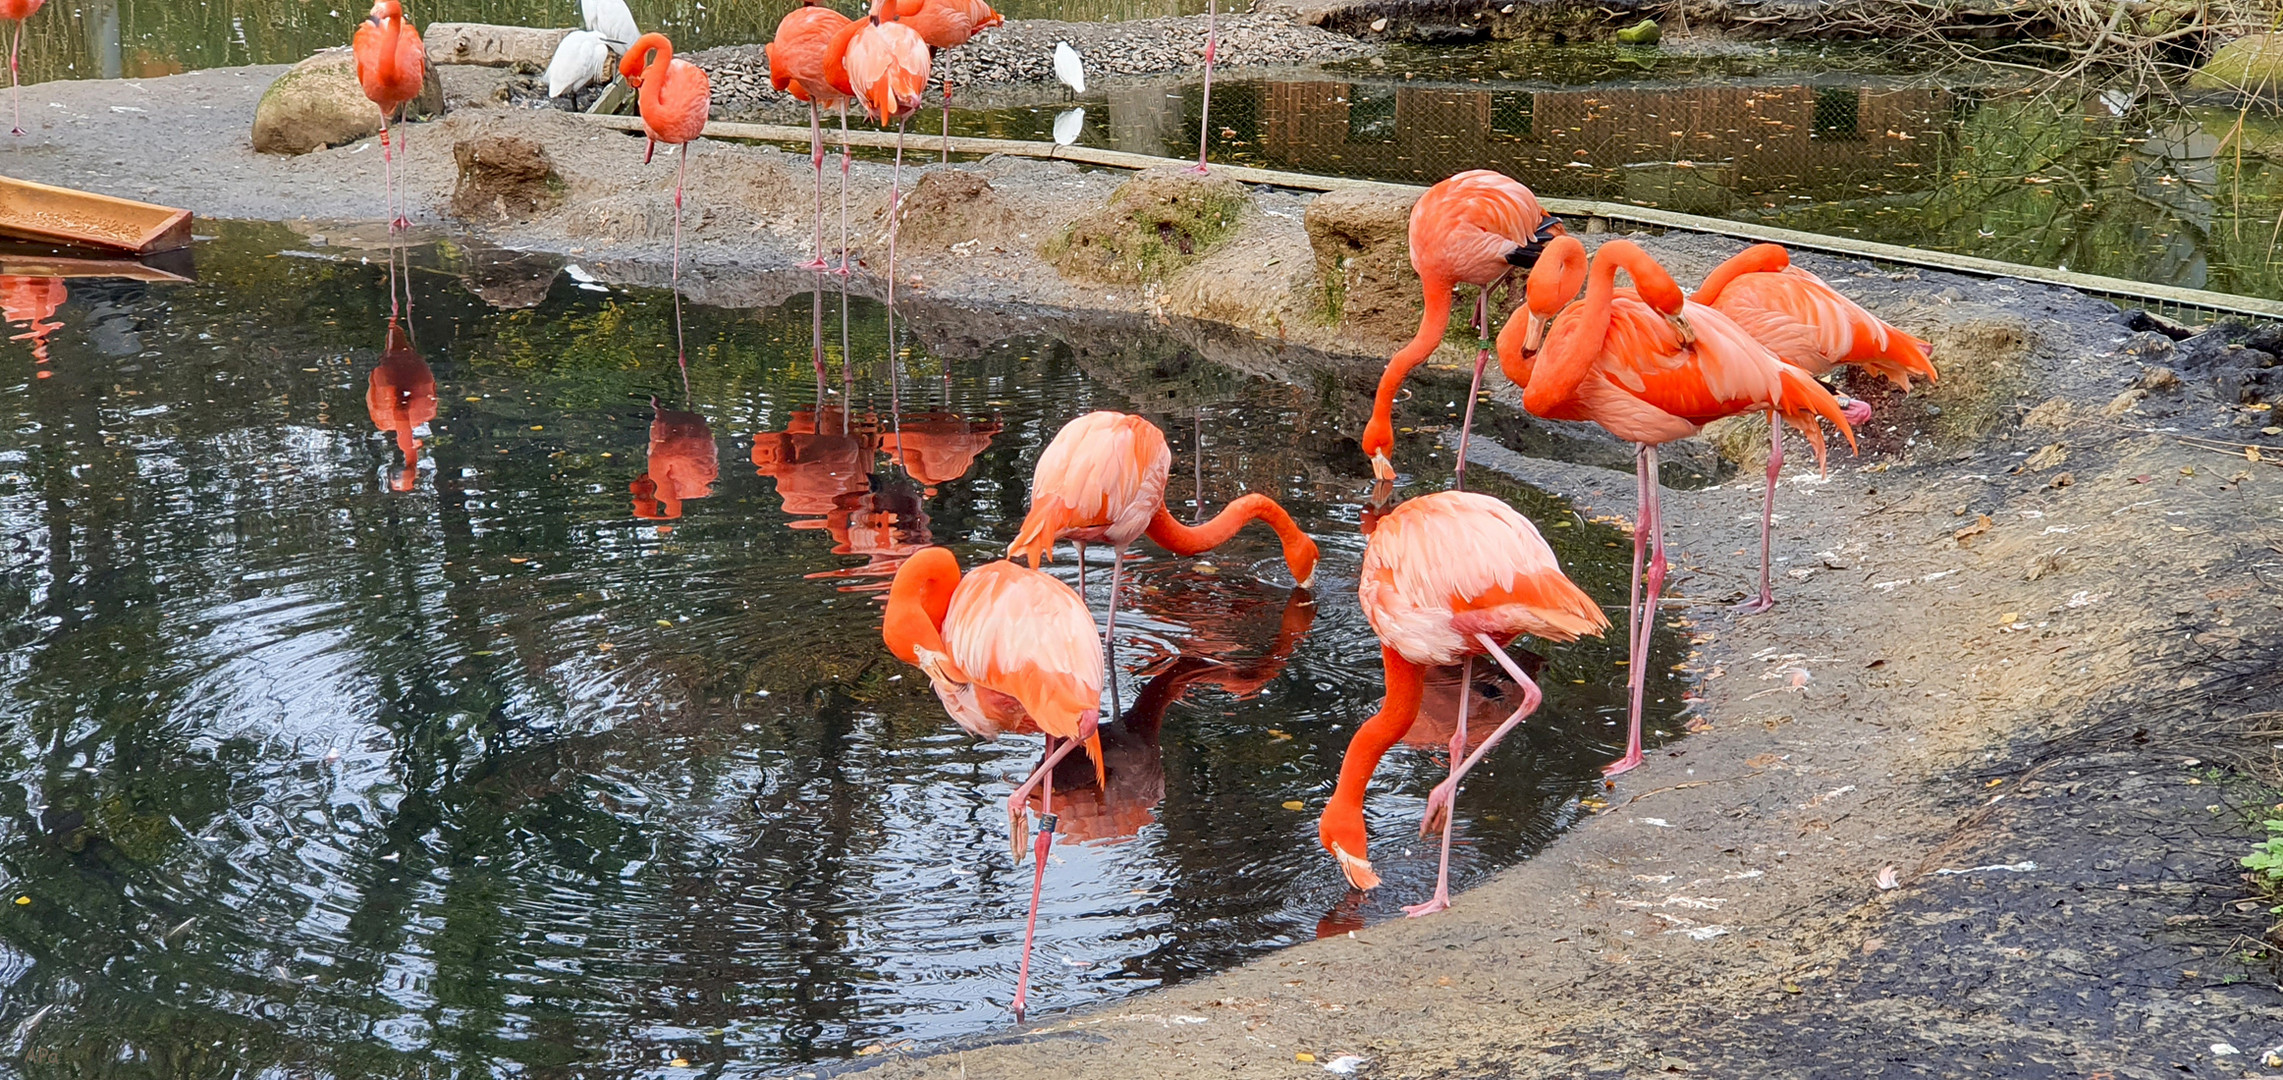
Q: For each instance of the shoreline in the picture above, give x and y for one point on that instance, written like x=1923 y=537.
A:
x=1721 y=911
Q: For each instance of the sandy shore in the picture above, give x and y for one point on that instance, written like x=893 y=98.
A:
x=2022 y=642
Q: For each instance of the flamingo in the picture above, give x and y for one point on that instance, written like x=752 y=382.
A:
x=1812 y=327
x=1650 y=367
x=1103 y=478
x=944 y=24
x=796 y=66
x=1446 y=577
x=1008 y=650
x=32 y=301
x=675 y=97
x=683 y=464
x=884 y=65
x=391 y=67
x=400 y=395
x=16 y=11
x=1471 y=229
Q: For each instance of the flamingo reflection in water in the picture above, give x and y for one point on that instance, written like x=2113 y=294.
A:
x=400 y=396
x=683 y=464
x=1223 y=628
x=32 y=301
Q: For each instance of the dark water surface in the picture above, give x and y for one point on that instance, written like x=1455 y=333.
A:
x=514 y=770
x=1856 y=141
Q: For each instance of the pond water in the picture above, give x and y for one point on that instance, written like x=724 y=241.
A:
x=572 y=746
x=1854 y=141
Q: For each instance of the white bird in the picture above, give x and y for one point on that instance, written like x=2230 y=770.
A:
x=582 y=60
x=1068 y=68
x=612 y=20
x=1068 y=124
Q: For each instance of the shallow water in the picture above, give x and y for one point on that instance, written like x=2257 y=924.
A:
x=1853 y=141
x=314 y=764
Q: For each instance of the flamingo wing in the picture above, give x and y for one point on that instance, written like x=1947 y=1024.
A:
x=888 y=69
x=1104 y=470
x=1028 y=636
x=1445 y=566
x=1812 y=325
x=1469 y=226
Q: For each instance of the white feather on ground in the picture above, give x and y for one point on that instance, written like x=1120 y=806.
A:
x=1068 y=68
x=582 y=60
x=612 y=20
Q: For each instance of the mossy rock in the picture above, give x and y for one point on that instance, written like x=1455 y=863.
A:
x=1153 y=226
x=1644 y=32
x=2250 y=65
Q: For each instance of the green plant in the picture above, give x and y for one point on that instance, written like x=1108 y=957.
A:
x=2266 y=863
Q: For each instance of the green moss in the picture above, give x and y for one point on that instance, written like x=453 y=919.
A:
x=1154 y=225
x=2252 y=64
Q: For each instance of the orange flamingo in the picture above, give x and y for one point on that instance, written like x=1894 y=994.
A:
x=943 y=24
x=683 y=464
x=391 y=67
x=16 y=11
x=1650 y=367
x=1103 y=479
x=1812 y=327
x=1446 y=577
x=674 y=100
x=33 y=301
x=884 y=65
x=796 y=66
x=400 y=395
x=1472 y=229
x=1008 y=650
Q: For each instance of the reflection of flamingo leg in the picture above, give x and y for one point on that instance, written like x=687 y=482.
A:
x=1110 y=635
x=1481 y=360
x=1448 y=790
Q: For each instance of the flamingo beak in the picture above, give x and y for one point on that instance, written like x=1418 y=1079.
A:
x=1381 y=469
x=1357 y=868
x=1681 y=327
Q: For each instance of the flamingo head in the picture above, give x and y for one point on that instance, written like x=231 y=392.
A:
x=1342 y=835
x=1378 y=443
x=1301 y=559
x=918 y=600
x=385 y=11
x=631 y=65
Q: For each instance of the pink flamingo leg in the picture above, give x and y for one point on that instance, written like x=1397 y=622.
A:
x=1444 y=799
x=1442 y=898
x=1652 y=521
x=1110 y=635
x=1767 y=597
x=1081 y=546
x=947 y=116
x=1016 y=808
x=1205 y=107
x=388 y=177
x=1474 y=389
x=843 y=271
x=681 y=169
x=816 y=165
x=15 y=85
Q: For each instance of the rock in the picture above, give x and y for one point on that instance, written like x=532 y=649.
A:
x=1644 y=32
x=504 y=177
x=319 y=104
x=2249 y=65
x=524 y=48
x=954 y=206
x=1361 y=239
x=1153 y=226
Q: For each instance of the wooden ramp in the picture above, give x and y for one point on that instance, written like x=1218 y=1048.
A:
x=83 y=219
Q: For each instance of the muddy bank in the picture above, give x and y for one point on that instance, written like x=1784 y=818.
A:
x=2005 y=631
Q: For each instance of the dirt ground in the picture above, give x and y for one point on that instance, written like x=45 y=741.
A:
x=2025 y=655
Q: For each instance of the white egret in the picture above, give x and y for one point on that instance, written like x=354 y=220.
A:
x=612 y=20
x=1068 y=68
x=582 y=60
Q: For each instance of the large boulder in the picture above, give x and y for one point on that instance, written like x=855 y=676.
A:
x=504 y=178
x=1361 y=237
x=523 y=48
x=319 y=104
x=2250 y=65
x=1153 y=226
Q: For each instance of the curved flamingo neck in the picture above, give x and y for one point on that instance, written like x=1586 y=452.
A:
x=649 y=55
x=918 y=602
x=1299 y=550
x=1343 y=815
x=1574 y=345
x=1757 y=259
x=1432 y=323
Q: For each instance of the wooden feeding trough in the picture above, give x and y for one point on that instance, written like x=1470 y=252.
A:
x=83 y=219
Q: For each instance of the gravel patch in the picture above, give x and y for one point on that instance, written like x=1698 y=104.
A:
x=1022 y=52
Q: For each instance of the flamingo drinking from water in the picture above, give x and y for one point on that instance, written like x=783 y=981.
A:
x=1810 y=326
x=796 y=66
x=1103 y=478
x=1008 y=650
x=1471 y=229
x=1446 y=577
x=391 y=67
x=674 y=97
x=1650 y=367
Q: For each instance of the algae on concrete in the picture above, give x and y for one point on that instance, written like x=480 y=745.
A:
x=1154 y=225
